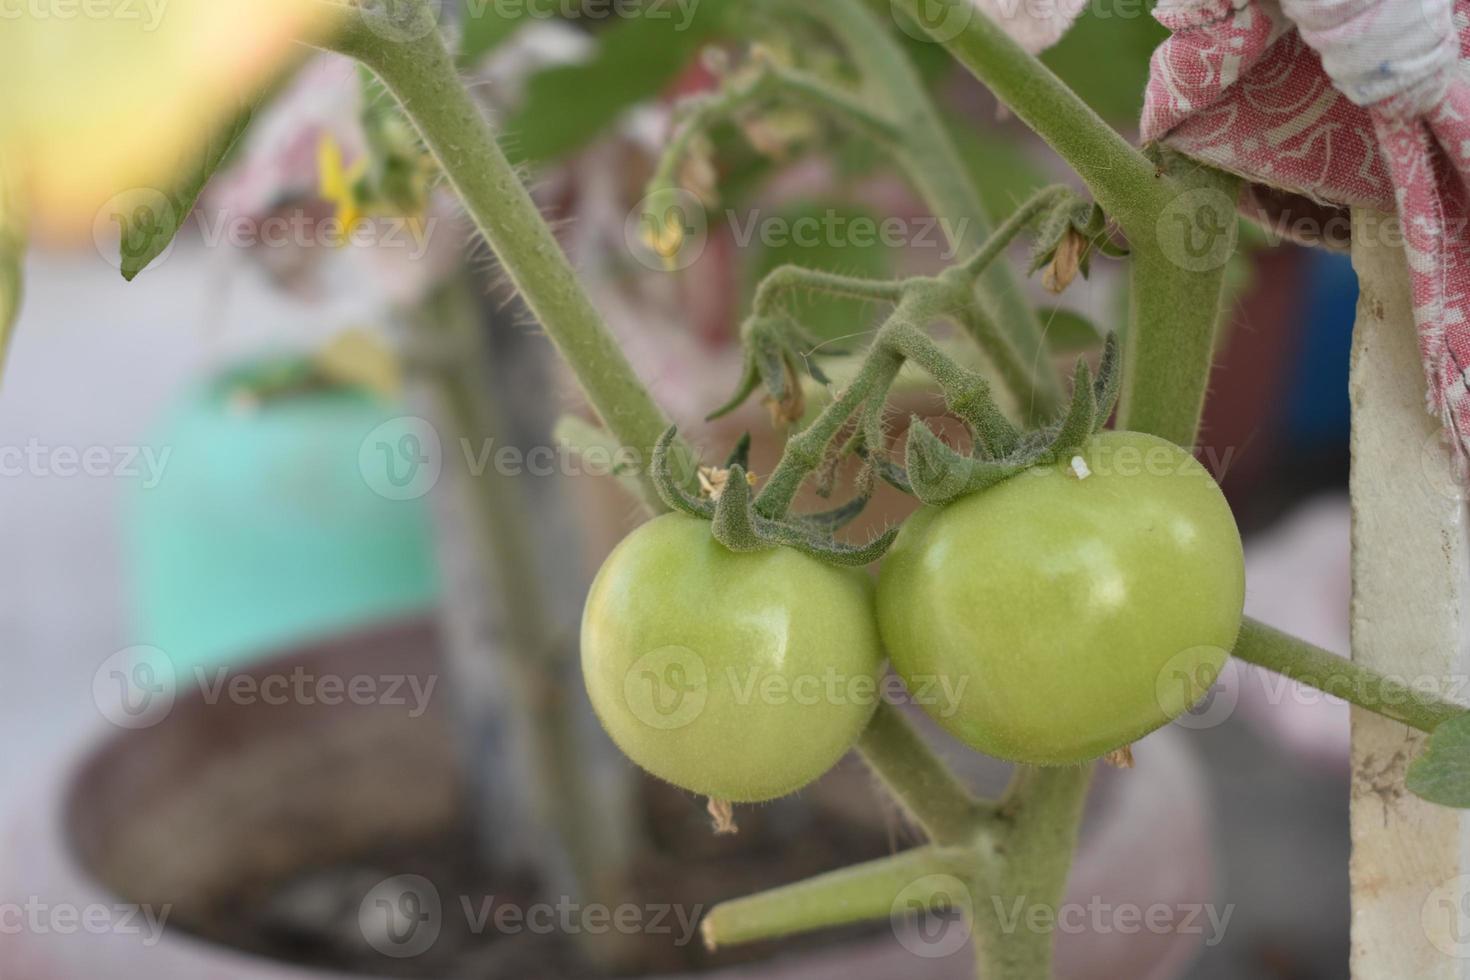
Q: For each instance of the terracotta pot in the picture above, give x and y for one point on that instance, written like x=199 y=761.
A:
x=218 y=797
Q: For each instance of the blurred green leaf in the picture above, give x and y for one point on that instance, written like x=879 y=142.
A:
x=999 y=164
x=149 y=219
x=845 y=238
x=1069 y=332
x=485 y=25
x=12 y=257
x=1104 y=58
x=569 y=105
x=1442 y=774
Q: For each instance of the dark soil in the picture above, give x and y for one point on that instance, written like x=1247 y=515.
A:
x=499 y=924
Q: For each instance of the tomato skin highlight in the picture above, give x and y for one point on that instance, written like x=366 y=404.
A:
x=741 y=676
x=1079 y=614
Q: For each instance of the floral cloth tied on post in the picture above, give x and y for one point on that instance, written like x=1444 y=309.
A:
x=1331 y=104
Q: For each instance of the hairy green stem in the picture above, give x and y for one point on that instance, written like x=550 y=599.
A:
x=422 y=75
x=1121 y=178
x=1299 y=660
x=806 y=450
x=1042 y=812
x=922 y=784
x=791 y=278
x=1013 y=225
x=929 y=156
x=913 y=880
x=1177 y=275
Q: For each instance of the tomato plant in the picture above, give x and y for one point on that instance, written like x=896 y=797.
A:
x=738 y=676
x=1076 y=614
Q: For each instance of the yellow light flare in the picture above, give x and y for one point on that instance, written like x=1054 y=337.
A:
x=103 y=96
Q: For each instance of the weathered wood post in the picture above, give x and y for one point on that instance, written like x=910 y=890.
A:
x=1411 y=580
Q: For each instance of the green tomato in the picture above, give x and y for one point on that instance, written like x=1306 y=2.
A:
x=740 y=676
x=1068 y=615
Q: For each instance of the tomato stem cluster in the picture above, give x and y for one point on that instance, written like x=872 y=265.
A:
x=1022 y=844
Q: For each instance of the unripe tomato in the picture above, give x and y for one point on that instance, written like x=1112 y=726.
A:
x=1075 y=614
x=741 y=676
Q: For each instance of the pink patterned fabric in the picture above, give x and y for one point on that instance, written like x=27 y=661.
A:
x=1360 y=103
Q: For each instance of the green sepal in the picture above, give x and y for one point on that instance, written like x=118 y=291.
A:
x=734 y=520
x=750 y=378
x=937 y=473
x=670 y=490
x=777 y=351
x=740 y=455
x=1081 y=418
x=1109 y=382
x=837 y=517
x=737 y=525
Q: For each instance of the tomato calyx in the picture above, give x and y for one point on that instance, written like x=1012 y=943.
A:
x=736 y=524
x=937 y=474
x=776 y=354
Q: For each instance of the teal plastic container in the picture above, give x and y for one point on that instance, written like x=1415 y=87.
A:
x=262 y=531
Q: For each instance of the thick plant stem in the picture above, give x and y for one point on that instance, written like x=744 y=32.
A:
x=1121 y=178
x=1041 y=815
x=915 y=777
x=1276 y=651
x=929 y=156
x=422 y=75
x=1177 y=282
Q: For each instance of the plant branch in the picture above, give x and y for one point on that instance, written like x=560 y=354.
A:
x=1121 y=178
x=913 y=880
x=928 y=155
x=422 y=75
x=1014 y=224
x=791 y=278
x=1042 y=812
x=917 y=779
x=1299 y=660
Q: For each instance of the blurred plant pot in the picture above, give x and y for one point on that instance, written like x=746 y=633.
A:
x=200 y=816
x=263 y=529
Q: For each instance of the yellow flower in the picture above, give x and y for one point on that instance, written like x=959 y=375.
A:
x=337 y=184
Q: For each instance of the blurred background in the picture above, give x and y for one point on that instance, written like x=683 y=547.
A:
x=251 y=457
